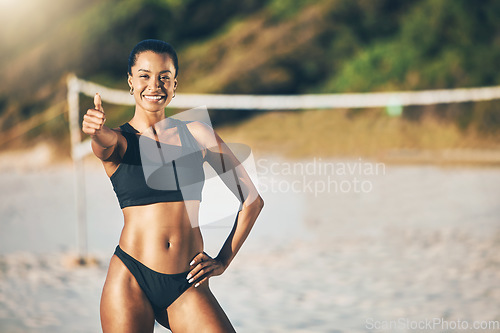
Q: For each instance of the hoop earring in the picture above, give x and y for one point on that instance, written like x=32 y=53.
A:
x=131 y=90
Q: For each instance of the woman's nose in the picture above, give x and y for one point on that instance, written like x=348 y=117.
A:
x=154 y=83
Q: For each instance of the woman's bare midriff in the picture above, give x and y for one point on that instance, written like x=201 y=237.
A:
x=163 y=236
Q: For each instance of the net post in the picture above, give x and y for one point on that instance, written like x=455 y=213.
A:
x=78 y=165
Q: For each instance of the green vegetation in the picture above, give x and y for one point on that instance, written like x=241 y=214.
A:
x=262 y=47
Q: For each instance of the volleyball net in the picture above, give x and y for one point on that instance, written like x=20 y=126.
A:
x=389 y=100
x=393 y=101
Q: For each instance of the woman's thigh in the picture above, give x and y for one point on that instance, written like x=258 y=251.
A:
x=197 y=310
x=124 y=307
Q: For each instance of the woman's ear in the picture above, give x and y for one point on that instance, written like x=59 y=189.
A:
x=129 y=80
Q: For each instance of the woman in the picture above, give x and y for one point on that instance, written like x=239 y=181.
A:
x=159 y=270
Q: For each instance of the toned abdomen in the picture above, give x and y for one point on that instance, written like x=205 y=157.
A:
x=163 y=236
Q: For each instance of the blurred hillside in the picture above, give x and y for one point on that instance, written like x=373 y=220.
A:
x=252 y=46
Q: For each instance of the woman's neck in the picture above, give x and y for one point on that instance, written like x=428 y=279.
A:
x=145 y=119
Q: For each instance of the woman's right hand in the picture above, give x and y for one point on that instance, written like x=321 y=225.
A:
x=104 y=140
x=94 y=119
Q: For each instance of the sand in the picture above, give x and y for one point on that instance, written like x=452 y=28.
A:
x=422 y=244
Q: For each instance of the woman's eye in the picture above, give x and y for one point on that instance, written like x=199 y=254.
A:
x=144 y=76
x=165 y=78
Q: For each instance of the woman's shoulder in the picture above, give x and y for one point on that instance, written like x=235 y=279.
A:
x=125 y=128
x=202 y=132
x=121 y=146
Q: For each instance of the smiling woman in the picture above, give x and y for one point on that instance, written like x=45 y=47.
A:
x=159 y=270
x=153 y=65
x=152 y=81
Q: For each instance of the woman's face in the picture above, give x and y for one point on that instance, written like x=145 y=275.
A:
x=153 y=80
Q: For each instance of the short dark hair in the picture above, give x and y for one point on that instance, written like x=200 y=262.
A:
x=156 y=46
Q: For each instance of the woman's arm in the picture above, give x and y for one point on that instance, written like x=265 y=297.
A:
x=231 y=171
x=245 y=220
x=104 y=139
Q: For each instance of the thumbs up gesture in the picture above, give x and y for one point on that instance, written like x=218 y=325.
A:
x=94 y=119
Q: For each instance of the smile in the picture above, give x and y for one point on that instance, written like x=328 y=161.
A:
x=153 y=98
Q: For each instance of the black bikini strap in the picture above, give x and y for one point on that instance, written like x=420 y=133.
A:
x=187 y=138
x=128 y=128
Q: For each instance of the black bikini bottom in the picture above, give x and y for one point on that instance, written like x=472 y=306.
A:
x=161 y=289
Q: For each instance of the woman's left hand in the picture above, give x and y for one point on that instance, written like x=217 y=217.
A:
x=203 y=267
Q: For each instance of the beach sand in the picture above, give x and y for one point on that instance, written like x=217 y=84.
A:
x=421 y=244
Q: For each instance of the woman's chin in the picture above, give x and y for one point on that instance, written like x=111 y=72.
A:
x=154 y=108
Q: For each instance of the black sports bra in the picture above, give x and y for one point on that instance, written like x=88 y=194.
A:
x=145 y=175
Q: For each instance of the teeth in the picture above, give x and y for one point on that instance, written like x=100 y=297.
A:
x=155 y=98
